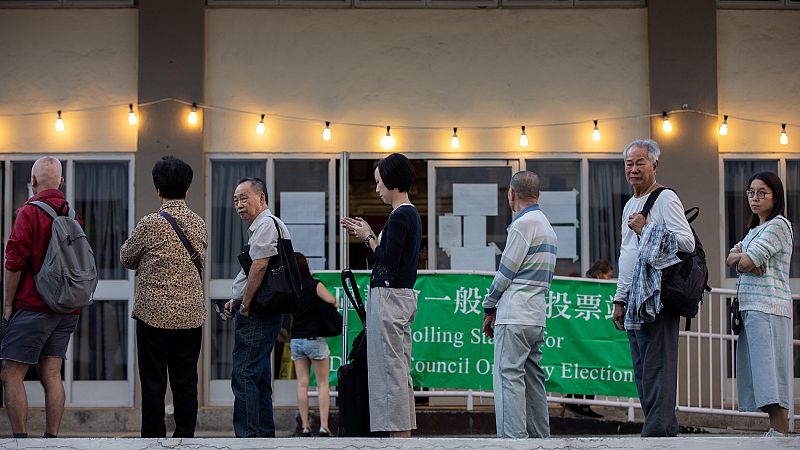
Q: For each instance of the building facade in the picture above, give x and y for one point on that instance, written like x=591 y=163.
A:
x=485 y=67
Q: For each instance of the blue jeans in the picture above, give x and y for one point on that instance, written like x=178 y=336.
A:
x=251 y=379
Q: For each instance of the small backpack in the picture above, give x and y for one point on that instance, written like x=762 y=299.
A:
x=683 y=284
x=68 y=276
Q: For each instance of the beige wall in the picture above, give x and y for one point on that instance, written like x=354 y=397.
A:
x=433 y=68
x=57 y=59
x=759 y=77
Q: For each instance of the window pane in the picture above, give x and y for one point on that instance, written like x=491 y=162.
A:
x=101 y=198
x=496 y=177
x=737 y=211
x=101 y=342
x=228 y=233
x=793 y=211
x=608 y=193
x=307 y=219
x=559 y=176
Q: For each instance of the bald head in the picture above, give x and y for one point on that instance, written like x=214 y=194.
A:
x=526 y=185
x=46 y=174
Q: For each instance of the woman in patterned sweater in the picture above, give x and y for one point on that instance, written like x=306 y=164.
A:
x=762 y=260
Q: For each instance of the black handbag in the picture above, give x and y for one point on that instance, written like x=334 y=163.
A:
x=330 y=321
x=281 y=288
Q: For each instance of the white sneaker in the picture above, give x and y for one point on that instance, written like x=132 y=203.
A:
x=773 y=433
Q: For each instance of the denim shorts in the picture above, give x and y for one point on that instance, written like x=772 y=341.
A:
x=30 y=336
x=316 y=349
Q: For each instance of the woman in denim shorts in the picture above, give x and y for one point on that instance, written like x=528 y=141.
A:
x=309 y=349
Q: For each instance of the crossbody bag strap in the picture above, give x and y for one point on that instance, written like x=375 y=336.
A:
x=188 y=245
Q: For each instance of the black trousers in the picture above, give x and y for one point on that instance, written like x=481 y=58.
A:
x=175 y=353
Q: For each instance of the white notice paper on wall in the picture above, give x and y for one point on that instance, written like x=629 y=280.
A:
x=560 y=206
x=472 y=258
x=449 y=231
x=308 y=239
x=475 y=199
x=475 y=231
x=303 y=207
x=567 y=242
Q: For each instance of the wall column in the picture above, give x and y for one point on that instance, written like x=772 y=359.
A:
x=171 y=56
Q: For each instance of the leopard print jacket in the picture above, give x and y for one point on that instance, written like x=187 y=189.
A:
x=169 y=292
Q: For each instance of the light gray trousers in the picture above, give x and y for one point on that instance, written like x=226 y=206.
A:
x=520 y=398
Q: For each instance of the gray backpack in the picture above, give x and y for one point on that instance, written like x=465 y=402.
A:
x=68 y=276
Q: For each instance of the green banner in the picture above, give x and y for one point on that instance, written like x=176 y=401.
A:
x=583 y=352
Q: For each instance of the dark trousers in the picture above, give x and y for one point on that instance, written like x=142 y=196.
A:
x=175 y=353
x=654 y=351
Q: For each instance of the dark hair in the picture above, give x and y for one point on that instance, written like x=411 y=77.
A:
x=257 y=184
x=172 y=177
x=396 y=172
x=778 y=203
x=302 y=264
x=598 y=268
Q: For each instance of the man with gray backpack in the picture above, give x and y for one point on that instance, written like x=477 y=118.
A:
x=50 y=274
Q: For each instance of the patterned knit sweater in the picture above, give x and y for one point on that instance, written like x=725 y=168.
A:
x=768 y=245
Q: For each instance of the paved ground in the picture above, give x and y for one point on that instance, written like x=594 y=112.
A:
x=600 y=443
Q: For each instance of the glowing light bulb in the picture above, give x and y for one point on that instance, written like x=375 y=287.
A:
x=59 y=123
x=387 y=141
x=523 y=138
x=260 y=128
x=596 y=133
x=193 y=115
x=454 y=140
x=784 y=140
x=326 y=132
x=132 y=119
x=723 y=129
x=666 y=125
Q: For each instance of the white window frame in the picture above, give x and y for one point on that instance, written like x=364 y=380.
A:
x=218 y=391
x=111 y=393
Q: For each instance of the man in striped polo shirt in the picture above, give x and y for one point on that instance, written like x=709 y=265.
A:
x=514 y=314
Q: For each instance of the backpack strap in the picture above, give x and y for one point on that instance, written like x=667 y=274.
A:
x=192 y=252
x=651 y=200
x=50 y=211
x=692 y=213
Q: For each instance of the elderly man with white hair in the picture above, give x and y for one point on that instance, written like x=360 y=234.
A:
x=652 y=330
x=32 y=332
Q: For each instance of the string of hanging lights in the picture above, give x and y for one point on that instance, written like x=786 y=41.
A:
x=388 y=141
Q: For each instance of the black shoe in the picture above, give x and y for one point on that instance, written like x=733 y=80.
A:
x=324 y=432
x=589 y=412
x=306 y=432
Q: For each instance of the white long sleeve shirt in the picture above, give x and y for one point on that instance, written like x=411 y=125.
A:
x=667 y=210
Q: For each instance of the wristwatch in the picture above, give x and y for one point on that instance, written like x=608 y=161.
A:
x=369 y=238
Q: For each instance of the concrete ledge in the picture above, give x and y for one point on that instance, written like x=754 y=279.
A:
x=689 y=443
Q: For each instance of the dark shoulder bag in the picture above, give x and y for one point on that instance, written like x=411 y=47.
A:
x=281 y=288
x=330 y=321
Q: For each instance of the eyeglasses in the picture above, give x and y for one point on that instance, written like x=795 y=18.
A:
x=758 y=194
